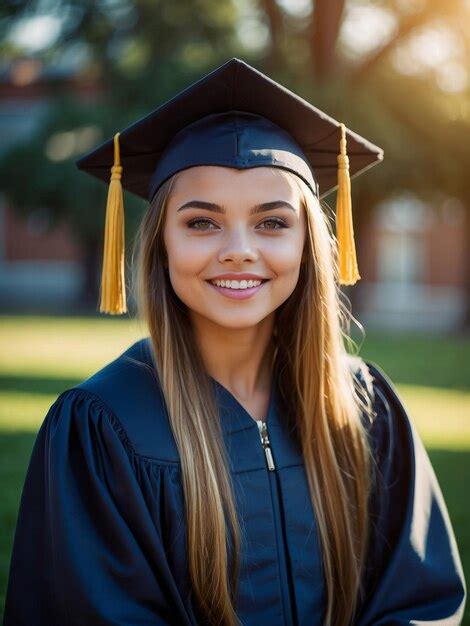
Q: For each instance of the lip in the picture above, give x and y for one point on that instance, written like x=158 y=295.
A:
x=238 y=294
x=240 y=276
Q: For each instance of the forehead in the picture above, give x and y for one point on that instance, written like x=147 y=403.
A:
x=219 y=183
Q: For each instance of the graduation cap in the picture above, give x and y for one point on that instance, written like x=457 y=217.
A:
x=235 y=116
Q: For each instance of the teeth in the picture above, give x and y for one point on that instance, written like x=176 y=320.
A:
x=236 y=284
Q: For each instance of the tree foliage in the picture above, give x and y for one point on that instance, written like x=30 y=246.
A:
x=142 y=52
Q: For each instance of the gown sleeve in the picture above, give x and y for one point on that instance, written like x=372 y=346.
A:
x=86 y=551
x=414 y=573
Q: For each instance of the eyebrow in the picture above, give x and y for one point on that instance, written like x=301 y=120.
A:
x=217 y=208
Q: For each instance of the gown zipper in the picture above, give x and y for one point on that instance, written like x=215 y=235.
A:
x=290 y=614
x=263 y=431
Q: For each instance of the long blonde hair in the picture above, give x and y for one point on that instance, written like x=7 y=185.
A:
x=311 y=361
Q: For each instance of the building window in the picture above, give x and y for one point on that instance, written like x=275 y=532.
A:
x=401 y=257
x=402 y=227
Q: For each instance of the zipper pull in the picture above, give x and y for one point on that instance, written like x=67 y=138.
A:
x=263 y=431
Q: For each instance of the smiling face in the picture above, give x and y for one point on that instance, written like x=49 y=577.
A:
x=223 y=223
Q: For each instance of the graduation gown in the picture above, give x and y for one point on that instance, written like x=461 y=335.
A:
x=100 y=536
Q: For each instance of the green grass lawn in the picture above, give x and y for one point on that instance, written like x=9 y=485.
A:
x=42 y=356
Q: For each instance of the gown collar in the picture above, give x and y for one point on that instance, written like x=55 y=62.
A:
x=235 y=417
x=240 y=430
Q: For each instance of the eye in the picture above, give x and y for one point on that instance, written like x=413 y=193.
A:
x=280 y=223
x=202 y=223
x=194 y=224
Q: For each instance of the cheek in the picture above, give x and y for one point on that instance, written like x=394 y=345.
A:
x=184 y=268
x=284 y=258
x=187 y=255
x=188 y=261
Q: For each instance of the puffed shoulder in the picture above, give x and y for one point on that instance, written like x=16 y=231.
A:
x=397 y=451
x=414 y=569
x=128 y=391
x=390 y=420
x=92 y=543
x=393 y=435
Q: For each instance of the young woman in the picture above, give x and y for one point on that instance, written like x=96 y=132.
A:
x=236 y=466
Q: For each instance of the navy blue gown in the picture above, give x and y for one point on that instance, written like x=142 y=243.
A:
x=100 y=536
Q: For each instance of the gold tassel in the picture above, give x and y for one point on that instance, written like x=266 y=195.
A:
x=113 y=289
x=348 y=270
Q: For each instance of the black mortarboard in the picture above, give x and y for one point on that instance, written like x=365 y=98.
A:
x=235 y=116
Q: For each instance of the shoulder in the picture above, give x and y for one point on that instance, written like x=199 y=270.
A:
x=125 y=378
x=391 y=432
x=397 y=451
x=128 y=390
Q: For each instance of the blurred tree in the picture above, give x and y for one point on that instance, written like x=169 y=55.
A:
x=137 y=54
x=415 y=109
x=361 y=61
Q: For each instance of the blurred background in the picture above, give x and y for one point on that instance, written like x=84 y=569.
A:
x=73 y=72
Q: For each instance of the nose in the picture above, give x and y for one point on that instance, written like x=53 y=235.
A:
x=238 y=248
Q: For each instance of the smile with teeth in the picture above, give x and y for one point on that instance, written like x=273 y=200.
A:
x=236 y=284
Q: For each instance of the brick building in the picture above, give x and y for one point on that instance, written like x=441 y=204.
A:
x=412 y=256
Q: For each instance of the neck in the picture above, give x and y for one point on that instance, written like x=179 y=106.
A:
x=238 y=358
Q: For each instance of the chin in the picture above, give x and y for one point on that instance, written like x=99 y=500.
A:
x=237 y=322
